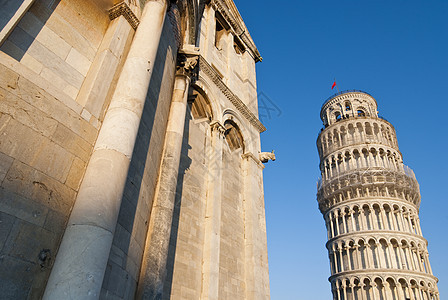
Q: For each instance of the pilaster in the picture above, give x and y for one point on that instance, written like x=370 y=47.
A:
x=153 y=271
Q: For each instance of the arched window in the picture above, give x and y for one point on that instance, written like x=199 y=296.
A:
x=361 y=113
x=338 y=116
x=233 y=136
x=200 y=106
x=347 y=106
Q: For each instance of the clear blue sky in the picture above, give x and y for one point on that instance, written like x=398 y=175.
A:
x=397 y=51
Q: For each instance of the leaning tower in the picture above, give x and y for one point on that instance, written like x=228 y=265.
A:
x=370 y=201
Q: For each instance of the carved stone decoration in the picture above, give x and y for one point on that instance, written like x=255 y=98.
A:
x=122 y=9
x=266 y=156
x=187 y=64
x=216 y=78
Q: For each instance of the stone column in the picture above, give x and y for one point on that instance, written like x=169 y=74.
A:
x=419 y=229
x=82 y=258
x=336 y=218
x=153 y=271
x=358 y=257
x=212 y=224
x=349 y=258
x=428 y=265
x=327 y=224
x=352 y=218
x=344 y=223
x=385 y=225
x=344 y=290
x=420 y=263
x=331 y=226
x=256 y=260
x=341 y=259
x=361 y=291
x=400 y=291
x=335 y=260
x=391 y=256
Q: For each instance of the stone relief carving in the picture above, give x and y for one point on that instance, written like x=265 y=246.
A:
x=266 y=156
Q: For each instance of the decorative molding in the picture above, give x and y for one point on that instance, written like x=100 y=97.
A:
x=240 y=106
x=122 y=9
x=233 y=17
x=187 y=65
x=218 y=127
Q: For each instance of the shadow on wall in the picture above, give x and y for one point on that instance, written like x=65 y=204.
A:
x=184 y=165
x=141 y=181
x=7 y=10
x=24 y=34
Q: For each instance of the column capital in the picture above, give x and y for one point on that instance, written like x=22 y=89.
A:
x=216 y=126
x=123 y=9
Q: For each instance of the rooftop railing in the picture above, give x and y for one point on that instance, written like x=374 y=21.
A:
x=344 y=92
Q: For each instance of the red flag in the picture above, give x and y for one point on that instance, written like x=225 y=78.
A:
x=334 y=84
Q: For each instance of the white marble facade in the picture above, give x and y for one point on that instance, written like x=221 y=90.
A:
x=370 y=202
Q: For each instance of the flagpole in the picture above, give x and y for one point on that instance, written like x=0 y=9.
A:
x=336 y=85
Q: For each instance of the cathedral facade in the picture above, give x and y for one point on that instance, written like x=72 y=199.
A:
x=130 y=164
x=370 y=202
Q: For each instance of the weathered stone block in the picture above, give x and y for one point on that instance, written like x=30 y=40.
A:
x=78 y=61
x=72 y=142
x=76 y=174
x=55 y=222
x=22 y=208
x=26 y=114
x=5 y=163
x=15 y=285
x=27 y=240
x=30 y=183
x=59 y=25
x=35 y=150
x=6 y=223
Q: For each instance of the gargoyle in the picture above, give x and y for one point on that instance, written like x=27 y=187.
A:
x=266 y=156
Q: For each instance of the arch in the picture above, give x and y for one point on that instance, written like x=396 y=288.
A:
x=250 y=145
x=361 y=111
x=202 y=85
x=233 y=136
x=199 y=104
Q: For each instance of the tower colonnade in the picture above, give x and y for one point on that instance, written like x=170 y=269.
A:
x=370 y=202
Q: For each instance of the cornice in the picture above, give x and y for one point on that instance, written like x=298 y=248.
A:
x=123 y=9
x=373 y=273
x=205 y=67
x=229 y=11
x=377 y=235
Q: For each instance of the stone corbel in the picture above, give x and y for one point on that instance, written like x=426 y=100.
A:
x=123 y=9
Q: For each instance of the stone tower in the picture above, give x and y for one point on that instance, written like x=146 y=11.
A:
x=370 y=202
